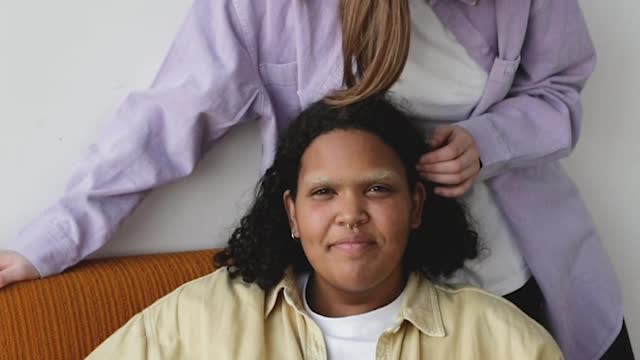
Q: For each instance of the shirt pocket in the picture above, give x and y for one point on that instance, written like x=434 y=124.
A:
x=499 y=82
x=281 y=83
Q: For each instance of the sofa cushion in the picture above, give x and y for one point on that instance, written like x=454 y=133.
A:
x=68 y=315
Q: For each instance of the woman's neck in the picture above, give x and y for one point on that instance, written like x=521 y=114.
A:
x=330 y=301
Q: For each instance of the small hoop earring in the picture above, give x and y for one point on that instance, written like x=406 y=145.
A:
x=294 y=237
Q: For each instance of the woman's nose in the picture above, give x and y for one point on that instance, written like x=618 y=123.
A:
x=352 y=211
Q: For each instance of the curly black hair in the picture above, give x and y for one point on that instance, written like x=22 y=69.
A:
x=261 y=249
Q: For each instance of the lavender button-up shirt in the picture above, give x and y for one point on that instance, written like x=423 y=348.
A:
x=265 y=60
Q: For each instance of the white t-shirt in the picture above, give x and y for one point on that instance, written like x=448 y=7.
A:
x=352 y=337
x=442 y=83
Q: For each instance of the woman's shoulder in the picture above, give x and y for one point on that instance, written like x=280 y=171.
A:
x=474 y=308
x=477 y=301
x=209 y=294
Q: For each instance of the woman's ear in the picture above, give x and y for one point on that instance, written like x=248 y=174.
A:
x=418 y=198
x=290 y=207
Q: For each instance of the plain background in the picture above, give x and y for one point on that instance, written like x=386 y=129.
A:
x=66 y=65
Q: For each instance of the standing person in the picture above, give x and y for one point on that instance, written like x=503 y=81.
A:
x=508 y=73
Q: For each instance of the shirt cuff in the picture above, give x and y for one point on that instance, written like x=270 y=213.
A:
x=493 y=151
x=46 y=246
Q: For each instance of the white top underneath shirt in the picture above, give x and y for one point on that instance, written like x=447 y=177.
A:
x=442 y=83
x=352 y=337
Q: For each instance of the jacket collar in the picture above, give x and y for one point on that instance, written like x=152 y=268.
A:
x=420 y=306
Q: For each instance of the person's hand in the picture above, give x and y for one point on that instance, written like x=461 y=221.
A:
x=454 y=162
x=15 y=267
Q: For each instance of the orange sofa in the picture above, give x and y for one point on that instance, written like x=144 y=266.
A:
x=68 y=315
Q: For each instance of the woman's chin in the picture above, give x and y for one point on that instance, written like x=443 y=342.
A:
x=357 y=280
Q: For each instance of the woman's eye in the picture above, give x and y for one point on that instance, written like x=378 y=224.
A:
x=379 y=189
x=321 y=192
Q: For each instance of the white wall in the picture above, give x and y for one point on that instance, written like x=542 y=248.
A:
x=65 y=65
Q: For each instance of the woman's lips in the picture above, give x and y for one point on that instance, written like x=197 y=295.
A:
x=354 y=245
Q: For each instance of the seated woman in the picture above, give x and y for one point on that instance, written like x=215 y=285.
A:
x=338 y=258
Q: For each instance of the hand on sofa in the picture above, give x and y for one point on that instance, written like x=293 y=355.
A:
x=15 y=267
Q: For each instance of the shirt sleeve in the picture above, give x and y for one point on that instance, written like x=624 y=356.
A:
x=539 y=120
x=208 y=83
x=129 y=342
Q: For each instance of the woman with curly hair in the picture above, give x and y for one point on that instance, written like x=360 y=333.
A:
x=338 y=258
x=500 y=80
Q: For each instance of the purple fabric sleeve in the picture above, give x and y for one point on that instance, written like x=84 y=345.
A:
x=207 y=84
x=539 y=119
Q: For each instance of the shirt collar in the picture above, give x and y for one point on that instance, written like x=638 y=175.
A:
x=286 y=287
x=420 y=306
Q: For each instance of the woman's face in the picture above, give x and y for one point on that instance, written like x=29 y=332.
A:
x=353 y=211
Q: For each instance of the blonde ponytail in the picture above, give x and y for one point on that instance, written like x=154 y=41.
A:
x=375 y=45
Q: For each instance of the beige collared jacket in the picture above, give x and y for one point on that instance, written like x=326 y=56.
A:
x=217 y=317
